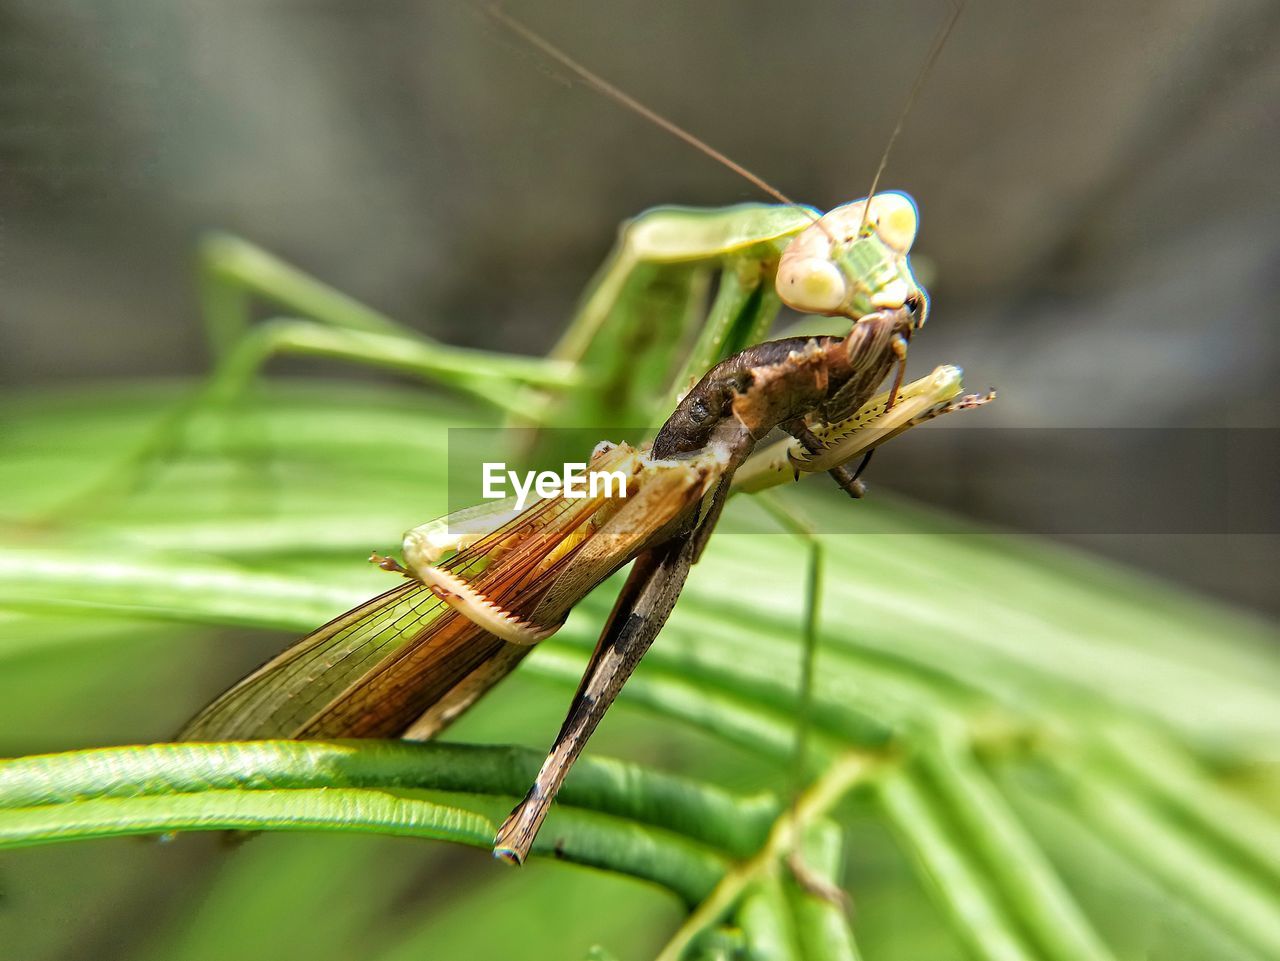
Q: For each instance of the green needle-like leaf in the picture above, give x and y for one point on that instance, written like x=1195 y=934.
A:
x=964 y=673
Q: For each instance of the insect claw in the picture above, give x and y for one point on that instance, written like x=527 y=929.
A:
x=970 y=401
x=795 y=460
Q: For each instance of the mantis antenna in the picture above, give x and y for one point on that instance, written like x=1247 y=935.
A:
x=604 y=87
x=939 y=41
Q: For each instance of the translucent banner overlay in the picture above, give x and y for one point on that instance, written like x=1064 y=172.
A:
x=1057 y=481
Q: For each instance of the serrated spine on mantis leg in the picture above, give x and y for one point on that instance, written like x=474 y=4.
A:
x=886 y=417
x=786 y=460
x=425 y=545
x=481 y=611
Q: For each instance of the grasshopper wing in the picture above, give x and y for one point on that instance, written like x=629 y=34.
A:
x=375 y=670
x=282 y=697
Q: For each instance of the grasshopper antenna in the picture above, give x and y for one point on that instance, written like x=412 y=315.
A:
x=939 y=41
x=600 y=85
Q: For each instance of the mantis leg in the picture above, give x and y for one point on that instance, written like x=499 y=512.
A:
x=811 y=880
x=325 y=321
x=849 y=481
x=645 y=330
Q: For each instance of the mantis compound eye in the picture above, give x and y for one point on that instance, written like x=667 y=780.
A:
x=812 y=284
x=896 y=219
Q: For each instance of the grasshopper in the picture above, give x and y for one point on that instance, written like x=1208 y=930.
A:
x=411 y=660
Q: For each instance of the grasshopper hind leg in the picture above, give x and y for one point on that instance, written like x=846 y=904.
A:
x=642 y=608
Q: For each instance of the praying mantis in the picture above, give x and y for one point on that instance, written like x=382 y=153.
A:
x=484 y=586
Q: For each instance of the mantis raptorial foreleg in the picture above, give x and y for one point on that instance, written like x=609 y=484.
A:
x=320 y=320
x=645 y=332
x=813 y=881
x=641 y=334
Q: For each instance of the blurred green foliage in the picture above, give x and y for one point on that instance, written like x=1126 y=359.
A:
x=1072 y=760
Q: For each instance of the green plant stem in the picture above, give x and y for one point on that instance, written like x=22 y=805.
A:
x=358 y=786
x=844 y=774
x=700 y=811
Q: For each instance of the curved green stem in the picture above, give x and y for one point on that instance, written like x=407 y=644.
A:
x=846 y=773
x=650 y=825
x=698 y=810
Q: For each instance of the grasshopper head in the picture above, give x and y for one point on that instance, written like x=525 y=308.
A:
x=840 y=266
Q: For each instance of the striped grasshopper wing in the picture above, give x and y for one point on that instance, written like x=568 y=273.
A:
x=406 y=663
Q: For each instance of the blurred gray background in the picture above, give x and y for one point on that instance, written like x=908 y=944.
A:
x=1099 y=211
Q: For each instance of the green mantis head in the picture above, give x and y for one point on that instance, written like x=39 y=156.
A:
x=854 y=261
